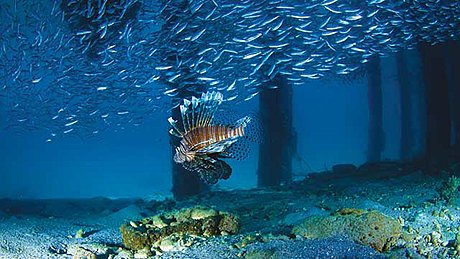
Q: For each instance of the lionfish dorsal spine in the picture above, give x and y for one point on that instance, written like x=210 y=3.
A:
x=202 y=119
x=174 y=133
x=175 y=129
x=201 y=106
x=183 y=112
x=199 y=112
x=194 y=110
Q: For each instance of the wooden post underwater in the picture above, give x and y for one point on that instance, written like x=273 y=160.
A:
x=376 y=139
x=435 y=77
x=276 y=150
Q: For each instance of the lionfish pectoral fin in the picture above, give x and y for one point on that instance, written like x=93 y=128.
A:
x=190 y=166
x=200 y=162
x=220 y=170
x=209 y=169
x=208 y=177
x=226 y=170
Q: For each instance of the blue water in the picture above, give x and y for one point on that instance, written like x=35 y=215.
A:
x=137 y=161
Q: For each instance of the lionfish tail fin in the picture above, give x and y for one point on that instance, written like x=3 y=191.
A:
x=253 y=129
x=243 y=122
x=252 y=134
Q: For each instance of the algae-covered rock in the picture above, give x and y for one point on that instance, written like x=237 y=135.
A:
x=261 y=254
x=249 y=239
x=449 y=191
x=82 y=253
x=316 y=227
x=351 y=211
x=375 y=229
x=80 y=233
x=365 y=227
x=171 y=231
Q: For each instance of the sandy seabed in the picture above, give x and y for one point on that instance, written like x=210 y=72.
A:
x=90 y=228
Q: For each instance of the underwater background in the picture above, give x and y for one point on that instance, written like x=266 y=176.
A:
x=133 y=162
x=350 y=112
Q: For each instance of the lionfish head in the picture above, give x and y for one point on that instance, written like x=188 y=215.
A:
x=182 y=155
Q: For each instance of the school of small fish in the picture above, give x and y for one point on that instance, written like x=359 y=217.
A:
x=81 y=66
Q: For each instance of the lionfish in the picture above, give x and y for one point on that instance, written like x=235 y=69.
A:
x=203 y=142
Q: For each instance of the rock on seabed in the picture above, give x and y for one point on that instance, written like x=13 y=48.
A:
x=370 y=228
x=171 y=231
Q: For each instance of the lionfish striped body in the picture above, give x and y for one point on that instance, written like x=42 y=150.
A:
x=203 y=144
